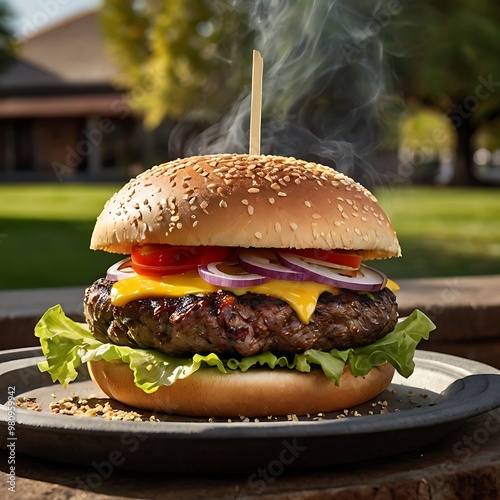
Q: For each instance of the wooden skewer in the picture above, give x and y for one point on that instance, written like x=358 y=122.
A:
x=256 y=103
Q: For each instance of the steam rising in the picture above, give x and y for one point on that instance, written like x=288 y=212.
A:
x=323 y=83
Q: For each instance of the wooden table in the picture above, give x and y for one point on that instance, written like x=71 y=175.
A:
x=463 y=465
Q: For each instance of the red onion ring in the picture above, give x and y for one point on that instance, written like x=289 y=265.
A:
x=367 y=279
x=212 y=274
x=120 y=270
x=258 y=261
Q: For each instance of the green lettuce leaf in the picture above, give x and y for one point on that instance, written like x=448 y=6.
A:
x=67 y=344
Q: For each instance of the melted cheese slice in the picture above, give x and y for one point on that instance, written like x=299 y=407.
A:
x=302 y=296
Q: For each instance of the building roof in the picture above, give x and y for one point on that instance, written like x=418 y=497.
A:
x=64 y=56
x=62 y=70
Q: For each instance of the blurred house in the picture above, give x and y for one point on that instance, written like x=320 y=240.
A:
x=60 y=114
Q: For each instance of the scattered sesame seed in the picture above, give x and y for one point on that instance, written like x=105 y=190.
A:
x=258 y=235
x=244 y=201
x=254 y=190
x=250 y=210
x=271 y=200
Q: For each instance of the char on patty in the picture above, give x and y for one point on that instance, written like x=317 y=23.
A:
x=226 y=324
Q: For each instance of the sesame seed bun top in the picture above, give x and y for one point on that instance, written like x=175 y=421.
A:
x=245 y=201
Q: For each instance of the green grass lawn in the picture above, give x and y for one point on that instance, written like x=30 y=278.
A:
x=444 y=231
x=45 y=232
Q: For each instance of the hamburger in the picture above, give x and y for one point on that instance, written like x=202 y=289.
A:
x=243 y=292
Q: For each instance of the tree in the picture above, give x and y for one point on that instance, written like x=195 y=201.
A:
x=176 y=56
x=6 y=37
x=453 y=65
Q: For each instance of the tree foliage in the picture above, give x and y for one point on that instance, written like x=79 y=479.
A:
x=453 y=65
x=6 y=36
x=176 y=56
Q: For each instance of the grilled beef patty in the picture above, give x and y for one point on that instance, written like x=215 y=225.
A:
x=225 y=324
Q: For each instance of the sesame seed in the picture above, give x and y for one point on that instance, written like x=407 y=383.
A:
x=277 y=227
x=244 y=201
x=203 y=204
x=159 y=218
x=293 y=226
x=316 y=216
x=340 y=207
x=271 y=200
x=250 y=210
x=254 y=190
x=357 y=231
x=344 y=215
x=175 y=218
x=275 y=186
x=195 y=223
x=281 y=193
x=307 y=204
x=222 y=204
x=258 y=235
x=179 y=225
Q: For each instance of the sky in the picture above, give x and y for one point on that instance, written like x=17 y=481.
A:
x=32 y=15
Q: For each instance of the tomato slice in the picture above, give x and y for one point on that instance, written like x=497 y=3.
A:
x=161 y=260
x=338 y=257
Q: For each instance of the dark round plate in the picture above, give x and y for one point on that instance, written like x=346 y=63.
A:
x=442 y=392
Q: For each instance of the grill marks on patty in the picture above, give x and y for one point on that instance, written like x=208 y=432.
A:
x=225 y=324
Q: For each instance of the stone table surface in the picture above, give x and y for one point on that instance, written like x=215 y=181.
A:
x=462 y=465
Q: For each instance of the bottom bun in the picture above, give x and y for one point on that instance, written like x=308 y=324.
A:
x=255 y=393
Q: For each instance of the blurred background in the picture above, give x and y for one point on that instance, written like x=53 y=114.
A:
x=403 y=96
